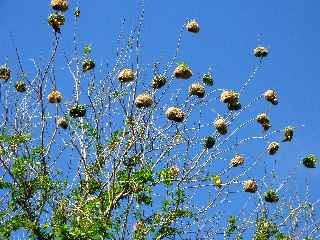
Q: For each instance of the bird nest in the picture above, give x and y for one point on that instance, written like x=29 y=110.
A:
x=159 y=81
x=229 y=96
x=273 y=148
x=78 y=110
x=143 y=101
x=310 y=161
x=182 y=71
x=59 y=5
x=260 y=52
x=87 y=65
x=5 y=72
x=250 y=186
x=62 y=122
x=56 y=20
x=55 y=97
x=271 y=96
x=221 y=125
x=207 y=79
x=126 y=75
x=175 y=114
x=20 y=86
x=263 y=119
x=288 y=134
x=271 y=196
x=237 y=160
x=197 y=89
x=193 y=26
x=209 y=142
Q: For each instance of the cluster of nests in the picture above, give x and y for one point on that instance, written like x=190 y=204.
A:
x=57 y=19
x=251 y=186
x=5 y=74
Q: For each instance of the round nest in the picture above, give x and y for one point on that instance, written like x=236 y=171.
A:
x=175 y=114
x=250 y=186
x=143 y=101
x=263 y=119
x=87 y=65
x=62 y=122
x=237 y=160
x=182 y=71
x=273 y=148
x=234 y=106
x=310 y=161
x=193 y=26
x=159 y=81
x=288 y=134
x=5 y=72
x=260 y=52
x=221 y=125
x=229 y=96
x=174 y=171
x=209 y=142
x=55 y=97
x=20 y=86
x=271 y=96
x=197 y=89
x=59 y=5
x=271 y=196
x=126 y=75
x=207 y=79
x=56 y=20
x=78 y=110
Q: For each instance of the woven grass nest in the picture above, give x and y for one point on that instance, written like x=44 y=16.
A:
x=59 y=5
x=196 y=89
x=175 y=114
x=126 y=75
x=260 y=52
x=88 y=65
x=237 y=160
x=56 y=20
x=77 y=110
x=288 y=134
x=310 y=161
x=207 y=79
x=273 y=148
x=209 y=142
x=5 y=72
x=271 y=196
x=263 y=119
x=158 y=81
x=182 y=71
x=250 y=186
x=271 y=96
x=193 y=26
x=174 y=171
x=55 y=97
x=231 y=97
x=143 y=101
x=221 y=125
x=20 y=86
x=62 y=122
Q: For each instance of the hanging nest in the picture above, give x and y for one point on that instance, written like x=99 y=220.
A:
x=5 y=72
x=250 y=186
x=159 y=81
x=260 y=52
x=310 y=161
x=271 y=196
x=20 y=86
x=271 y=96
x=62 y=122
x=197 y=89
x=221 y=125
x=209 y=142
x=56 y=20
x=237 y=160
x=207 y=79
x=273 y=148
x=55 y=97
x=59 y=5
x=288 y=134
x=193 y=26
x=175 y=114
x=87 y=65
x=229 y=96
x=182 y=71
x=143 y=101
x=174 y=171
x=78 y=110
x=263 y=119
x=126 y=75
x=234 y=106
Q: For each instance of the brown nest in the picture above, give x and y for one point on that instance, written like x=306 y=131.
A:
x=263 y=119
x=126 y=75
x=56 y=20
x=174 y=171
x=182 y=71
x=175 y=114
x=62 y=122
x=237 y=160
x=221 y=125
x=229 y=96
x=159 y=81
x=55 y=97
x=143 y=101
x=59 y=5
x=197 y=89
x=87 y=65
x=273 y=148
x=5 y=72
x=193 y=26
x=250 y=186
x=288 y=134
x=260 y=52
x=20 y=86
x=271 y=96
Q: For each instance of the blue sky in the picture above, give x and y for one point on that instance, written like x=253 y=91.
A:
x=229 y=32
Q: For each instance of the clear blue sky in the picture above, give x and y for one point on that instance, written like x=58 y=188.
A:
x=229 y=32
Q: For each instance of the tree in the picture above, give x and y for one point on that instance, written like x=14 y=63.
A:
x=125 y=154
